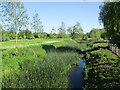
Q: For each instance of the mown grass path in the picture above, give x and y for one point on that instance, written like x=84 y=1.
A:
x=26 y=43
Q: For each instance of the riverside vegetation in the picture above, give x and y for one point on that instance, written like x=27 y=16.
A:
x=33 y=58
x=102 y=68
x=32 y=67
x=47 y=65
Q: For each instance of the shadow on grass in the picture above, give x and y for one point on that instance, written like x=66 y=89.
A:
x=94 y=49
x=2 y=49
x=49 y=48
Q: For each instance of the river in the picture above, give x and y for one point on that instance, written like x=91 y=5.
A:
x=76 y=79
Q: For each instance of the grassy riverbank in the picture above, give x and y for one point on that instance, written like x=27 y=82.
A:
x=35 y=67
x=47 y=64
x=102 y=68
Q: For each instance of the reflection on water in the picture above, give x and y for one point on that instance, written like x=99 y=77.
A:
x=76 y=79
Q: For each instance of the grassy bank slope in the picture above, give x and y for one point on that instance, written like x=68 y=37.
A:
x=34 y=67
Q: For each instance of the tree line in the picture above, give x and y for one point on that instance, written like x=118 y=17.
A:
x=15 y=24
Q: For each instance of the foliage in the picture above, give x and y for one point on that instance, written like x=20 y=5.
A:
x=36 y=68
x=100 y=66
x=97 y=34
x=14 y=17
x=5 y=35
x=76 y=29
x=61 y=30
x=37 y=24
x=12 y=34
x=109 y=16
x=25 y=34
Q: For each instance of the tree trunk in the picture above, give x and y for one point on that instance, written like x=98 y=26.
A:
x=16 y=45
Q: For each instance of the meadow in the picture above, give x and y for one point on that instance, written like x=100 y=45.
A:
x=34 y=67
x=27 y=42
x=46 y=63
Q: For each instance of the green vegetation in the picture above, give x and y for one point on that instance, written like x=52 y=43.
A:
x=75 y=30
x=32 y=58
x=14 y=17
x=32 y=67
x=26 y=42
x=102 y=69
x=97 y=34
x=109 y=16
x=61 y=30
x=37 y=24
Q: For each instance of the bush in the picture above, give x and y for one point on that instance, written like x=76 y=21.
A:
x=5 y=36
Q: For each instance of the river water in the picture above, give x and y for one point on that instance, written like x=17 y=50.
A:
x=76 y=79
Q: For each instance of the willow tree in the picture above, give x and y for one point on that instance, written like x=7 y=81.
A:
x=14 y=17
x=110 y=17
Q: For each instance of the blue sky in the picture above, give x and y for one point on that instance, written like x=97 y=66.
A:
x=53 y=13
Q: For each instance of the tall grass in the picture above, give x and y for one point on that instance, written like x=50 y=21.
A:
x=32 y=67
x=51 y=73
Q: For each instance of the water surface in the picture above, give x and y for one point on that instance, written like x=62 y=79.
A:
x=76 y=79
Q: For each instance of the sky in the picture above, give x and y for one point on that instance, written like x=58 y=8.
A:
x=53 y=13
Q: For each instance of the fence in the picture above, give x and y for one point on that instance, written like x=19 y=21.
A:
x=114 y=49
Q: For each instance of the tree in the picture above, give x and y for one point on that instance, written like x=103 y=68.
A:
x=53 y=34
x=12 y=34
x=37 y=24
x=61 y=30
x=5 y=36
x=110 y=17
x=76 y=29
x=97 y=34
x=25 y=34
x=15 y=16
x=53 y=30
x=0 y=32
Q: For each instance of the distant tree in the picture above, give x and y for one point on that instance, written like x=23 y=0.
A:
x=53 y=30
x=37 y=24
x=5 y=36
x=110 y=17
x=76 y=29
x=12 y=34
x=88 y=35
x=29 y=34
x=84 y=36
x=0 y=32
x=36 y=35
x=14 y=16
x=97 y=34
x=25 y=34
x=61 y=30
x=53 y=34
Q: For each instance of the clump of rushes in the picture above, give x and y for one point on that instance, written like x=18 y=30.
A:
x=52 y=72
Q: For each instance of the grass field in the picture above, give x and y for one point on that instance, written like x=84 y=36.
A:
x=37 y=67
x=27 y=42
x=33 y=66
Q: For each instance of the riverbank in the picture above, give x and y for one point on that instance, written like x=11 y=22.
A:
x=48 y=65
x=36 y=67
x=102 y=68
